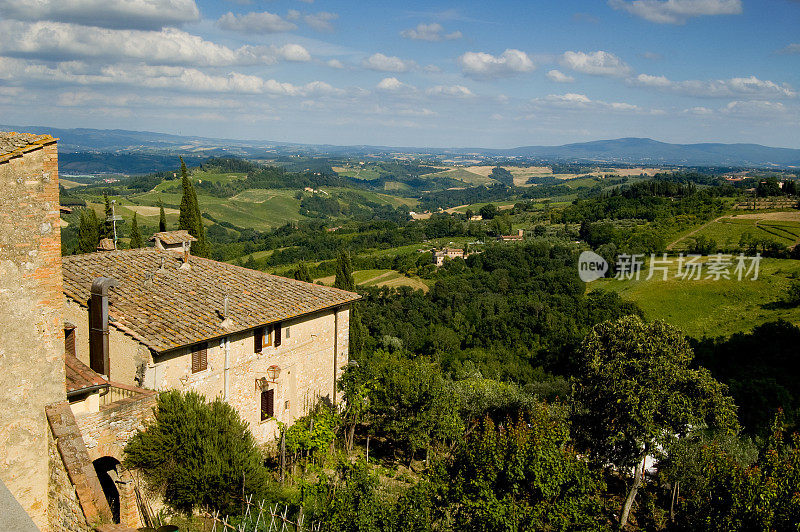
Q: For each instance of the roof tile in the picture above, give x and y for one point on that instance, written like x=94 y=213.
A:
x=166 y=307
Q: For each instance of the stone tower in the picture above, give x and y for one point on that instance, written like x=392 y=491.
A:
x=31 y=320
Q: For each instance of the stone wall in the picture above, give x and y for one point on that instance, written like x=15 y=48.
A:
x=305 y=356
x=65 y=510
x=31 y=322
x=106 y=432
x=77 y=464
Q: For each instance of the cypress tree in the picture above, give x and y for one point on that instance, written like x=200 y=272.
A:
x=344 y=281
x=107 y=227
x=162 y=218
x=189 y=217
x=302 y=274
x=88 y=231
x=136 y=236
x=344 y=273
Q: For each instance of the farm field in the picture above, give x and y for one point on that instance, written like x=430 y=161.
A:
x=465 y=175
x=711 y=308
x=379 y=278
x=728 y=231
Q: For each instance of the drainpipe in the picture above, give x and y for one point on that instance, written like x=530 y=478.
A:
x=98 y=326
x=226 y=344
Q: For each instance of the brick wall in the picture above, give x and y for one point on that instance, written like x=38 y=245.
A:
x=31 y=321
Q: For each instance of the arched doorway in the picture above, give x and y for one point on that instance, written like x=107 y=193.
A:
x=107 y=473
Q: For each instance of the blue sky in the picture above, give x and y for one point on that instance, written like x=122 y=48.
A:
x=484 y=74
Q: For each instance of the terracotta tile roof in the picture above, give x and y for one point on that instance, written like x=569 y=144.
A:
x=80 y=376
x=174 y=237
x=14 y=144
x=166 y=307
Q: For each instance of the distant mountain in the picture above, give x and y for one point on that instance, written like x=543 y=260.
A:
x=143 y=151
x=649 y=151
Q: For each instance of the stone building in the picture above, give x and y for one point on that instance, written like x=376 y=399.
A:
x=439 y=256
x=31 y=333
x=270 y=346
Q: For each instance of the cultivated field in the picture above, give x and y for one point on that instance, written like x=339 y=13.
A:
x=728 y=231
x=712 y=308
x=379 y=278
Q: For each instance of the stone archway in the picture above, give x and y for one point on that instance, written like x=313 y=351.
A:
x=108 y=473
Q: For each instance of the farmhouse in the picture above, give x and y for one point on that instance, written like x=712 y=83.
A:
x=153 y=318
x=448 y=253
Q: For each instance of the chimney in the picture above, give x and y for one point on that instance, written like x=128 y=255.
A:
x=98 y=326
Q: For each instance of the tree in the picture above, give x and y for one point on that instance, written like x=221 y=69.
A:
x=88 y=231
x=136 y=236
x=504 y=176
x=635 y=392
x=344 y=273
x=197 y=454
x=107 y=227
x=488 y=211
x=522 y=475
x=162 y=218
x=302 y=274
x=189 y=217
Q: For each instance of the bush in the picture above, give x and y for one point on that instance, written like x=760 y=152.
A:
x=197 y=454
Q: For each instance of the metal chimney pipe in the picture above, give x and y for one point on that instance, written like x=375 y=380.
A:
x=98 y=326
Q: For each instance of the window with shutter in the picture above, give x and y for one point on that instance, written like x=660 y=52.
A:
x=267 y=404
x=199 y=357
x=277 y=327
x=258 y=340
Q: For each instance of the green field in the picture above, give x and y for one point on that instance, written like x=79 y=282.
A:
x=378 y=278
x=729 y=231
x=712 y=308
x=461 y=174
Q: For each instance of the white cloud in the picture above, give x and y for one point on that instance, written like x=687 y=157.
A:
x=793 y=48
x=753 y=108
x=386 y=63
x=263 y=22
x=576 y=101
x=394 y=85
x=485 y=66
x=158 y=77
x=321 y=21
x=132 y=14
x=677 y=11
x=334 y=63
x=721 y=88
x=170 y=46
x=559 y=77
x=430 y=32
x=599 y=63
x=699 y=111
x=457 y=91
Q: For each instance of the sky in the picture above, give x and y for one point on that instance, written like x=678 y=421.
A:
x=493 y=74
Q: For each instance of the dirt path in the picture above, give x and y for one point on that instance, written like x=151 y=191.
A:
x=671 y=245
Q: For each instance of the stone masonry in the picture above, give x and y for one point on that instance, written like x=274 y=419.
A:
x=31 y=334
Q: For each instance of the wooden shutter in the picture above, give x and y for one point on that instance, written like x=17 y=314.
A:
x=199 y=357
x=277 y=327
x=258 y=340
x=267 y=404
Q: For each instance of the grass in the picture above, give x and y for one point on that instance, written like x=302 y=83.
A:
x=378 y=278
x=728 y=231
x=711 y=308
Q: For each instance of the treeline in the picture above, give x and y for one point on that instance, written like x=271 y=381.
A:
x=511 y=311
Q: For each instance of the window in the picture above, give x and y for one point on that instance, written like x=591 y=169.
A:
x=267 y=404
x=69 y=340
x=266 y=337
x=199 y=357
x=288 y=332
